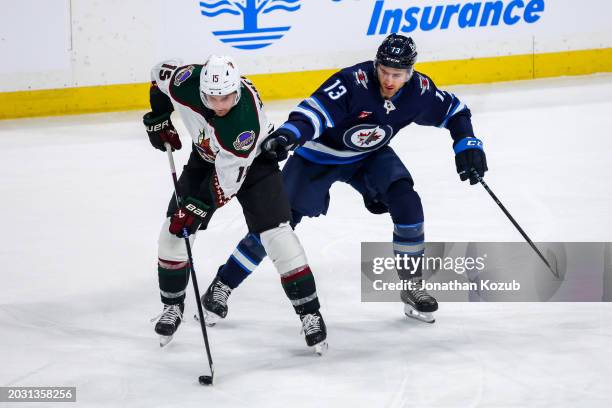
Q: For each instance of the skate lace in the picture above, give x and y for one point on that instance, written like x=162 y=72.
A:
x=311 y=323
x=221 y=293
x=171 y=314
x=419 y=293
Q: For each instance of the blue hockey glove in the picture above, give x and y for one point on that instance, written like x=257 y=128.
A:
x=470 y=156
x=277 y=145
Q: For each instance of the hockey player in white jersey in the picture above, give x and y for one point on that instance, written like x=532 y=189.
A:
x=227 y=124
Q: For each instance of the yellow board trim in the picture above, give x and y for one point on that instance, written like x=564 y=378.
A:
x=67 y=101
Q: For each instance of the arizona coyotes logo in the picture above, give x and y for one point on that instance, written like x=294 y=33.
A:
x=204 y=147
x=361 y=78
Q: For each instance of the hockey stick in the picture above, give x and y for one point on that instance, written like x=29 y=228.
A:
x=513 y=221
x=203 y=379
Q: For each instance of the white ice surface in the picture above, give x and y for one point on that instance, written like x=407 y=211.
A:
x=82 y=199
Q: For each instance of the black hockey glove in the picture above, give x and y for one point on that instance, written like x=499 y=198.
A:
x=161 y=130
x=470 y=156
x=190 y=216
x=277 y=145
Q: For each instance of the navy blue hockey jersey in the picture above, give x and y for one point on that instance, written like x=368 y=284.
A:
x=346 y=118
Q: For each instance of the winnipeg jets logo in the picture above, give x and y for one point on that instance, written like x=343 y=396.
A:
x=367 y=136
x=364 y=114
x=361 y=78
x=389 y=106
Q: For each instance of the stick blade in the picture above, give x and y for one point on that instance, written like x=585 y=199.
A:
x=205 y=380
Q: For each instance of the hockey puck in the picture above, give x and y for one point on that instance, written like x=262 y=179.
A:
x=205 y=380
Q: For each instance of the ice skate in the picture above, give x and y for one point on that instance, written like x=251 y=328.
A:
x=215 y=302
x=315 y=332
x=168 y=323
x=419 y=304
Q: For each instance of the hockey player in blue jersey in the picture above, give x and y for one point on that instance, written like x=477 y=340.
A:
x=342 y=133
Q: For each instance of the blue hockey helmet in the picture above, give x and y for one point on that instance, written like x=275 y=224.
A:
x=397 y=51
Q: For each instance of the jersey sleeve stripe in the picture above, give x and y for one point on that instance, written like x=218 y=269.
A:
x=313 y=117
x=455 y=107
x=320 y=153
x=325 y=158
x=314 y=102
x=293 y=129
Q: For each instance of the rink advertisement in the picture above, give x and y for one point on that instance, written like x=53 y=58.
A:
x=294 y=35
x=276 y=36
x=490 y=272
x=287 y=47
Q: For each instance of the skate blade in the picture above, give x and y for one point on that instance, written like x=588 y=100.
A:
x=320 y=348
x=426 y=317
x=210 y=319
x=164 y=340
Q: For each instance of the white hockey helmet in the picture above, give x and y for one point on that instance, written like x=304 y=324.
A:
x=219 y=76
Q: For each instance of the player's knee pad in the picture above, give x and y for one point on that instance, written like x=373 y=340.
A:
x=283 y=247
x=169 y=246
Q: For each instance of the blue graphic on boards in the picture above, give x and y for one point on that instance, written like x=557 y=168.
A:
x=251 y=36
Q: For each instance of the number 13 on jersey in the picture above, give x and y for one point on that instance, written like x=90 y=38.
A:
x=335 y=90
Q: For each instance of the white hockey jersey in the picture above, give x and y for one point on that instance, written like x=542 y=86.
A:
x=230 y=142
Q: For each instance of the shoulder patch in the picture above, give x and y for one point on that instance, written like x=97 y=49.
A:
x=183 y=74
x=424 y=82
x=185 y=88
x=244 y=141
x=361 y=78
